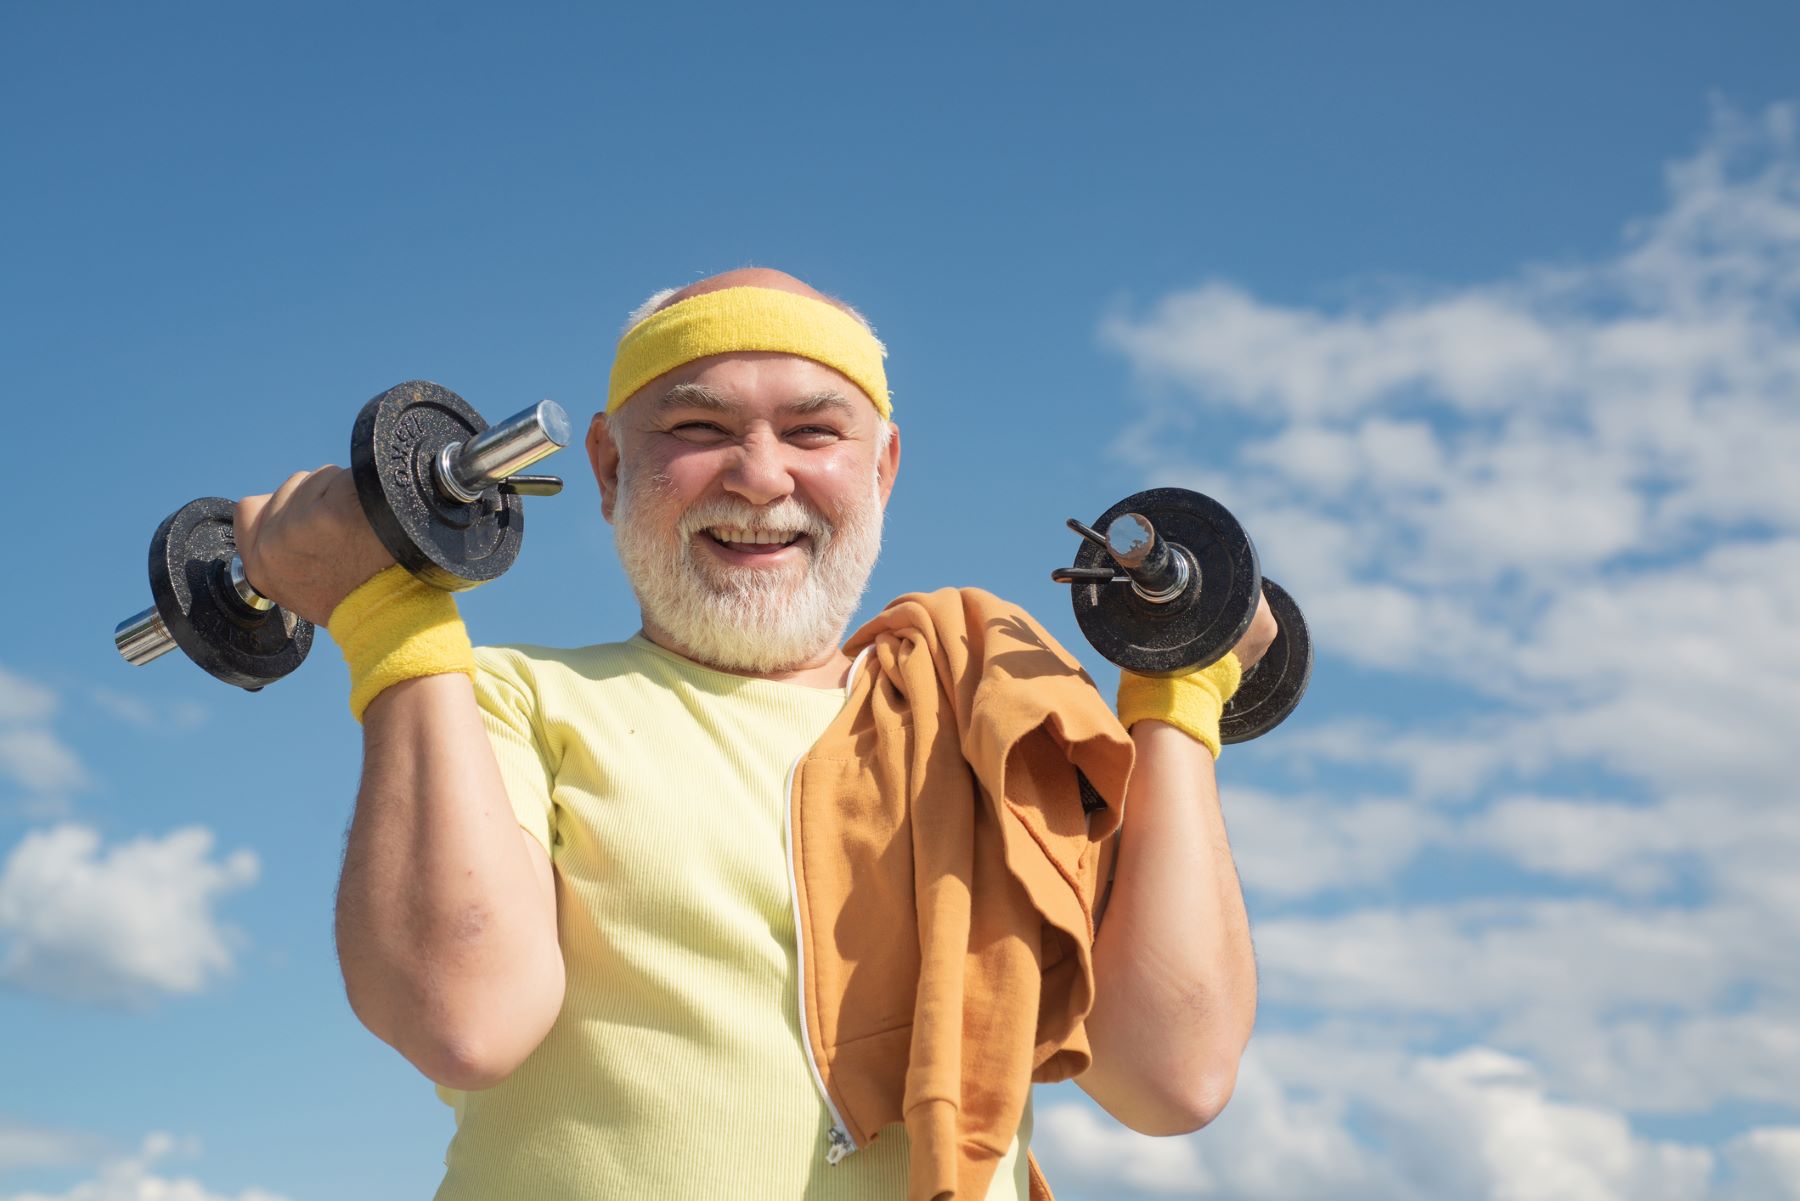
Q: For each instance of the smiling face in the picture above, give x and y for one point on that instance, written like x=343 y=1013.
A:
x=746 y=493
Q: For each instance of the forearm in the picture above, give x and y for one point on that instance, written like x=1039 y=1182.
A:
x=446 y=937
x=1174 y=972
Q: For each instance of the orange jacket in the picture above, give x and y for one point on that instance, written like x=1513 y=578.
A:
x=947 y=868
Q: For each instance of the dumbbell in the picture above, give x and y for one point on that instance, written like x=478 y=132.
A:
x=1167 y=581
x=438 y=484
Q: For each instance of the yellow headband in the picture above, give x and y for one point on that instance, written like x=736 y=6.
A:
x=734 y=319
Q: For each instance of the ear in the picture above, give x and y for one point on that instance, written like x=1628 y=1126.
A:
x=603 y=455
x=889 y=467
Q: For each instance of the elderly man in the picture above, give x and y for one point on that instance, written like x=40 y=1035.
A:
x=572 y=897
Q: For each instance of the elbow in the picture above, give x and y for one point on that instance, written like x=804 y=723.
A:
x=1206 y=1087
x=1204 y=1100
x=1162 y=1104
x=1183 y=1105
x=465 y=1054
x=465 y=1035
x=471 y=1056
x=464 y=1064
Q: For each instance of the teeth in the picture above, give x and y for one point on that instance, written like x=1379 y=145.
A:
x=753 y=537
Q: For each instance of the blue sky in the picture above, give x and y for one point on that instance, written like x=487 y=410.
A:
x=1483 y=320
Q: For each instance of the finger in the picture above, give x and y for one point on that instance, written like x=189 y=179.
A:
x=244 y=516
x=1259 y=637
x=289 y=486
x=318 y=482
x=251 y=511
x=340 y=495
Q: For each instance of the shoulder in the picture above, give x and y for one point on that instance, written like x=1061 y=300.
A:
x=530 y=668
x=972 y=618
x=944 y=609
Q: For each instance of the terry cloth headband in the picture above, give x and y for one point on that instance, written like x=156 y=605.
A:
x=734 y=319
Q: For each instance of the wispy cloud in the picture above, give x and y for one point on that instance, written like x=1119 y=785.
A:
x=1318 y=1121
x=39 y=762
x=134 y=710
x=31 y=755
x=1093 y=1150
x=120 y=926
x=30 y=1145
x=1566 y=502
x=134 y=1177
x=36 y=760
x=23 y=700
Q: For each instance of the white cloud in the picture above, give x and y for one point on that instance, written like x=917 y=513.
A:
x=1318 y=1120
x=1633 y=848
x=136 y=711
x=38 y=761
x=119 y=927
x=1664 y=1063
x=131 y=1178
x=1480 y=958
x=30 y=755
x=1464 y=461
x=1672 y=1010
x=26 y=1145
x=1293 y=846
x=1097 y=1150
x=1765 y=1165
x=23 y=700
x=1492 y=1131
x=1568 y=497
x=1438 y=766
x=1739 y=848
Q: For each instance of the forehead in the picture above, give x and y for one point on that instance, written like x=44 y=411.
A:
x=752 y=383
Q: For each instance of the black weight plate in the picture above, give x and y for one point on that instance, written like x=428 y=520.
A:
x=393 y=449
x=1197 y=627
x=190 y=556
x=1271 y=689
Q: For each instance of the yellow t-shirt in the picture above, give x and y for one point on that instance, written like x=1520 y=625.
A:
x=676 y=1068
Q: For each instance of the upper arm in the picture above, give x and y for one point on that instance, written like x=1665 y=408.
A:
x=1106 y=862
x=543 y=872
x=510 y=714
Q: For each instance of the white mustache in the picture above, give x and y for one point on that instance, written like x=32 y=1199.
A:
x=785 y=516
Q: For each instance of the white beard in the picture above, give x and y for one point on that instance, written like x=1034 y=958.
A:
x=746 y=619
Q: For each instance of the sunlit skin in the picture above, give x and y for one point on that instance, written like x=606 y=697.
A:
x=757 y=427
x=446 y=928
x=1174 y=976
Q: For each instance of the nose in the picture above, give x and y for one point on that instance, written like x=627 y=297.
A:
x=760 y=473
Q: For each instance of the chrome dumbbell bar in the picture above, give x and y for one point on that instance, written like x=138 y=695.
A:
x=461 y=472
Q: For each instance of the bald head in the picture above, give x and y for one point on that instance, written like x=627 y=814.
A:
x=742 y=277
x=749 y=277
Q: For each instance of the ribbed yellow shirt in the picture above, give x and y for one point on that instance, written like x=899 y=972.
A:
x=676 y=1068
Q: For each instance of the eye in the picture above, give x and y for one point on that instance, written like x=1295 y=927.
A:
x=814 y=433
x=697 y=430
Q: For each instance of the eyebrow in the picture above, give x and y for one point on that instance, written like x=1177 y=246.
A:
x=818 y=402
x=699 y=396
x=692 y=396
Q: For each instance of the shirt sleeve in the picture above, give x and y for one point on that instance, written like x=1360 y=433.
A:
x=509 y=710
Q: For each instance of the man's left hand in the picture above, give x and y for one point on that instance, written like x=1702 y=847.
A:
x=1256 y=640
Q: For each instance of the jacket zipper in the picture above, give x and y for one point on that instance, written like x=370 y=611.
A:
x=839 y=1134
x=842 y=1145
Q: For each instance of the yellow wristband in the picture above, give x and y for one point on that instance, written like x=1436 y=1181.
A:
x=394 y=627
x=1192 y=703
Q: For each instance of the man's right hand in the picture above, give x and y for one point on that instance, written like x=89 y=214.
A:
x=307 y=545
